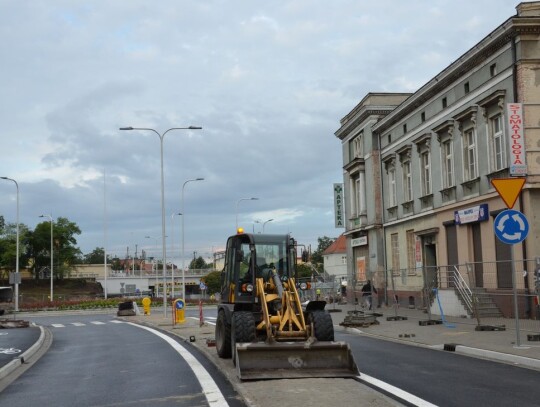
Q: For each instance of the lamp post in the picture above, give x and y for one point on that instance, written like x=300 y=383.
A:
x=156 y=287
x=183 y=217
x=52 y=270
x=172 y=249
x=17 y=275
x=256 y=221
x=163 y=243
x=264 y=223
x=237 y=202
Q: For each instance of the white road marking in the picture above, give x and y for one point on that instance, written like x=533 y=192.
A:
x=97 y=323
x=78 y=324
x=58 y=325
x=205 y=320
x=210 y=389
x=116 y=321
x=402 y=394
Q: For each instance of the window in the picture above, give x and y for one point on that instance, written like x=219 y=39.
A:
x=356 y=147
x=423 y=117
x=411 y=250
x=497 y=156
x=470 y=170
x=389 y=138
x=405 y=128
x=425 y=162
x=395 y=253
x=447 y=164
x=358 y=196
x=444 y=102
x=392 y=191
x=466 y=87
x=407 y=181
x=493 y=70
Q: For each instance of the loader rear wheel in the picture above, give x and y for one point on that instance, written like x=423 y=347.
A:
x=223 y=336
x=243 y=330
x=323 y=326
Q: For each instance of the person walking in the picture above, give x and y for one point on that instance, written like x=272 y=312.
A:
x=367 y=294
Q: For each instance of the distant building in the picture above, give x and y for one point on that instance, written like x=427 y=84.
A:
x=335 y=258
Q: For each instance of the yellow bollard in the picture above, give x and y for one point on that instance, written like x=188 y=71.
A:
x=179 y=311
x=146 y=305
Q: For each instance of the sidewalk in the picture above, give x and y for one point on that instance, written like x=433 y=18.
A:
x=457 y=333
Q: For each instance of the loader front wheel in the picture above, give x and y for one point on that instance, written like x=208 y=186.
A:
x=243 y=330
x=323 y=326
x=223 y=336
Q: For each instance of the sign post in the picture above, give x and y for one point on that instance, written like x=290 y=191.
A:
x=511 y=227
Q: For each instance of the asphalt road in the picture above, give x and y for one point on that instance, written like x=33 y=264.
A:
x=95 y=361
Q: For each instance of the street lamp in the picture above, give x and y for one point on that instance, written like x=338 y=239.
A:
x=163 y=243
x=172 y=249
x=156 y=287
x=52 y=270
x=183 y=217
x=17 y=275
x=237 y=202
x=256 y=221
x=264 y=223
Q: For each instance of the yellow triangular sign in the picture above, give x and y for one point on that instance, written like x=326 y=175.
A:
x=508 y=189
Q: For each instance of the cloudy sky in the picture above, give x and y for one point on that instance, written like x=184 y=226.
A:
x=267 y=80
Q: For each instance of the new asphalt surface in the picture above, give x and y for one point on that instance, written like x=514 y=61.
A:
x=20 y=347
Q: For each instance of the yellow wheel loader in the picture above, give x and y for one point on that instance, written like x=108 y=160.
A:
x=261 y=322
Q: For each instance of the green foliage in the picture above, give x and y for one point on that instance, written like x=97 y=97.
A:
x=8 y=247
x=65 y=253
x=323 y=244
x=97 y=256
x=213 y=282
x=198 y=263
x=304 y=271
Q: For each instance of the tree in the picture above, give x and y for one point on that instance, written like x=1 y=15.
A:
x=213 y=282
x=8 y=247
x=65 y=253
x=97 y=256
x=304 y=271
x=323 y=244
x=198 y=263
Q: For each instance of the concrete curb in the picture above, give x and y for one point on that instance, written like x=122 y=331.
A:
x=10 y=367
x=522 y=361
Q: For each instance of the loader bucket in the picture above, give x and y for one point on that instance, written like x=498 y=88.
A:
x=289 y=360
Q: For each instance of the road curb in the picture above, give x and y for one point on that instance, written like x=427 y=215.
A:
x=522 y=361
x=10 y=367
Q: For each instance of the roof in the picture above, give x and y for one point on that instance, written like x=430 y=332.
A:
x=339 y=246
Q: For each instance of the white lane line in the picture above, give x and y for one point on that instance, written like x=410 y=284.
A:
x=116 y=321
x=58 y=325
x=78 y=324
x=210 y=389
x=205 y=320
x=402 y=394
x=97 y=323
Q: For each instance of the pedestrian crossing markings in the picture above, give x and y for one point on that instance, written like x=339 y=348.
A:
x=84 y=324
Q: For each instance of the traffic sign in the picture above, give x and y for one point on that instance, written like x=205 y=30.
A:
x=508 y=189
x=511 y=226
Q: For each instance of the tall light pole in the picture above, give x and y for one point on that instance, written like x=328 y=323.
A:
x=240 y=200
x=17 y=275
x=256 y=221
x=163 y=243
x=52 y=270
x=264 y=223
x=172 y=249
x=156 y=287
x=183 y=217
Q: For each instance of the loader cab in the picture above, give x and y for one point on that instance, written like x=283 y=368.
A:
x=250 y=256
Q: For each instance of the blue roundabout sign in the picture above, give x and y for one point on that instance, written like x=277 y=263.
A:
x=511 y=226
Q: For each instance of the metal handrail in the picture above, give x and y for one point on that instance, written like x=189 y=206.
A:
x=463 y=289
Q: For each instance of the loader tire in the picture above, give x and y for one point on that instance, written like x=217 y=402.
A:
x=243 y=330
x=323 y=326
x=223 y=336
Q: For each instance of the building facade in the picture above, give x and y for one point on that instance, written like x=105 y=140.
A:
x=428 y=162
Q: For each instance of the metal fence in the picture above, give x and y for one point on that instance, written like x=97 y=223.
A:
x=481 y=293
